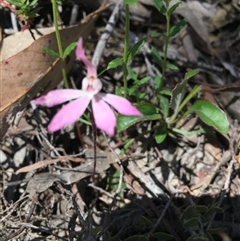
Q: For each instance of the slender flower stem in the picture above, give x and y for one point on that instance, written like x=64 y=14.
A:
x=59 y=42
x=125 y=54
x=164 y=67
x=94 y=129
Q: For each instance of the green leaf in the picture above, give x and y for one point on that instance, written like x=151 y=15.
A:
x=135 y=48
x=201 y=208
x=133 y=75
x=162 y=236
x=50 y=52
x=190 y=222
x=113 y=181
x=137 y=238
x=211 y=115
x=212 y=210
x=132 y=90
x=164 y=103
x=161 y=134
x=149 y=112
x=147 y=221
x=156 y=35
x=144 y=80
x=158 y=82
x=210 y=237
x=173 y=8
x=115 y=63
x=165 y=92
x=69 y=49
x=189 y=133
x=178 y=94
x=33 y=3
x=177 y=27
x=188 y=213
x=131 y=2
x=16 y=3
x=190 y=74
x=172 y=66
x=157 y=57
x=118 y=91
x=160 y=6
x=197 y=239
x=142 y=96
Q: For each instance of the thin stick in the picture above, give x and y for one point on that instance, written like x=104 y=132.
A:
x=108 y=30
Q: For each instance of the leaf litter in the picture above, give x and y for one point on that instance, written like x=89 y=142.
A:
x=160 y=181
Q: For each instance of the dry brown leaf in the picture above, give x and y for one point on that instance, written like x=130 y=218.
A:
x=17 y=42
x=44 y=163
x=42 y=181
x=31 y=71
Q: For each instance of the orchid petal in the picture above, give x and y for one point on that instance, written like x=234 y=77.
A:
x=104 y=116
x=122 y=105
x=56 y=97
x=68 y=114
x=91 y=70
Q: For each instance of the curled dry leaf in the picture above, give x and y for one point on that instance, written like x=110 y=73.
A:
x=44 y=163
x=42 y=181
x=31 y=71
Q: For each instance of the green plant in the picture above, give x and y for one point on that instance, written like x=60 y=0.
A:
x=196 y=219
x=168 y=106
x=24 y=9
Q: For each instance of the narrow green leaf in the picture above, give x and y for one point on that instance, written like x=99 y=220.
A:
x=178 y=94
x=161 y=134
x=210 y=237
x=191 y=73
x=51 y=52
x=177 y=27
x=211 y=115
x=149 y=112
x=190 y=222
x=69 y=49
x=131 y=2
x=160 y=6
x=173 y=8
x=163 y=236
x=188 y=213
x=165 y=92
x=135 y=48
x=16 y=3
x=201 y=208
x=197 y=239
x=213 y=209
x=137 y=238
x=144 y=80
x=188 y=133
x=158 y=82
x=147 y=221
x=164 y=103
x=156 y=35
x=34 y=2
x=115 y=63
x=133 y=75
x=157 y=57
x=172 y=66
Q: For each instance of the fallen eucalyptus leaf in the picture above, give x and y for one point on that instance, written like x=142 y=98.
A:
x=31 y=71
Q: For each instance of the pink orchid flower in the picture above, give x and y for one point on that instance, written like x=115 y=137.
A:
x=104 y=116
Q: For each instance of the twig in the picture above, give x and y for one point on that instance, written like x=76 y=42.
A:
x=20 y=230
x=160 y=217
x=104 y=37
